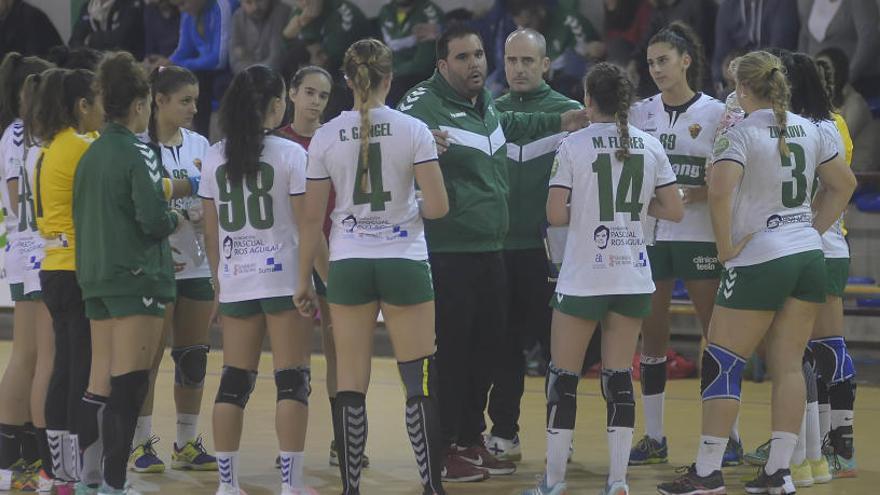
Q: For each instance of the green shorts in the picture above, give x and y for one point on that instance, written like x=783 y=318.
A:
x=16 y=291
x=396 y=281
x=684 y=260
x=595 y=308
x=197 y=289
x=836 y=276
x=320 y=287
x=104 y=308
x=766 y=286
x=268 y=305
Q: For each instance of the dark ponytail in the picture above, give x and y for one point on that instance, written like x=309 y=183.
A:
x=167 y=81
x=685 y=41
x=809 y=97
x=121 y=81
x=14 y=69
x=53 y=105
x=612 y=92
x=242 y=113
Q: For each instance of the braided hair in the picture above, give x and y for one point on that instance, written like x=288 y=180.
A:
x=608 y=86
x=764 y=75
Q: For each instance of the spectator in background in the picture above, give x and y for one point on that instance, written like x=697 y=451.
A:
x=256 y=34
x=626 y=25
x=853 y=27
x=202 y=48
x=110 y=25
x=413 y=55
x=75 y=58
x=25 y=29
x=327 y=28
x=750 y=25
x=161 y=30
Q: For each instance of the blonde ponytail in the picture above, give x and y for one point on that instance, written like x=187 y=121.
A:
x=764 y=75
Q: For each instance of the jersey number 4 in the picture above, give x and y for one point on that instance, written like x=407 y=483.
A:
x=629 y=187
x=235 y=210
x=376 y=197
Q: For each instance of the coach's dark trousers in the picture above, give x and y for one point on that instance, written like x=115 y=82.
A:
x=471 y=309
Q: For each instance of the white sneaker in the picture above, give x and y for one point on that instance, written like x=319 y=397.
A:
x=616 y=488
x=504 y=449
x=227 y=489
x=128 y=490
x=303 y=490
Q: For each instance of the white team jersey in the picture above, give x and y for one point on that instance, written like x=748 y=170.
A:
x=384 y=221
x=181 y=162
x=605 y=249
x=257 y=231
x=833 y=242
x=11 y=160
x=773 y=199
x=29 y=241
x=687 y=133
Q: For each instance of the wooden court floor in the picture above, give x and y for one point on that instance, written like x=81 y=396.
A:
x=393 y=471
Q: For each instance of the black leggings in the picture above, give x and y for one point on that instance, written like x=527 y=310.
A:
x=73 y=348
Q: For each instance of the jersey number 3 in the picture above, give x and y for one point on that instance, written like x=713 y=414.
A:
x=236 y=210
x=629 y=188
x=795 y=192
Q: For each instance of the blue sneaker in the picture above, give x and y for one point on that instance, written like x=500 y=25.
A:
x=733 y=454
x=649 y=451
x=543 y=489
x=143 y=458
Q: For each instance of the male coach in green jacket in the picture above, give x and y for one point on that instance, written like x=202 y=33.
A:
x=529 y=160
x=465 y=246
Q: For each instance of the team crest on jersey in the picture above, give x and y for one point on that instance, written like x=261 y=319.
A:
x=695 y=130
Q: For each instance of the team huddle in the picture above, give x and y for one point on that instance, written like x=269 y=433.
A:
x=124 y=226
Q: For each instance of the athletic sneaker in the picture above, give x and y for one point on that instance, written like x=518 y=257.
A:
x=304 y=490
x=457 y=470
x=649 y=451
x=778 y=483
x=24 y=481
x=44 y=482
x=690 y=483
x=759 y=456
x=616 y=488
x=820 y=469
x=225 y=489
x=84 y=489
x=842 y=458
x=543 y=489
x=733 y=454
x=128 y=490
x=143 y=458
x=504 y=449
x=483 y=459
x=334 y=457
x=193 y=457
x=802 y=474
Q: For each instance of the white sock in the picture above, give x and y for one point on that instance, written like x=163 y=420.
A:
x=187 y=428
x=68 y=460
x=710 y=454
x=75 y=462
x=840 y=417
x=782 y=444
x=558 y=443
x=142 y=431
x=291 y=469
x=734 y=430
x=57 y=439
x=800 y=448
x=227 y=468
x=814 y=438
x=619 y=444
x=824 y=419
x=5 y=480
x=653 y=405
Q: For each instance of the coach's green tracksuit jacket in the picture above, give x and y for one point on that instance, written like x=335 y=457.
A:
x=122 y=220
x=411 y=57
x=475 y=165
x=529 y=160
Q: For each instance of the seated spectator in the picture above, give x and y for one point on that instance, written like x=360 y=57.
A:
x=626 y=25
x=256 y=34
x=75 y=58
x=161 y=30
x=110 y=25
x=202 y=48
x=750 y=25
x=413 y=55
x=25 y=29
x=327 y=28
x=853 y=27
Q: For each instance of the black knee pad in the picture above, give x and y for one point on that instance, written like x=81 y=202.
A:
x=236 y=386
x=294 y=384
x=419 y=377
x=842 y=396
x=128 y=391
x=561 y=390
x=653 y=377
x=617 y=389
x=822 y=391
x=190 y=363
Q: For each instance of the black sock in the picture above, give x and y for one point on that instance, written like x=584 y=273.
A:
x=423 y=427
x=120 y=418
x=45 y=454
x=350 y=429
x=10 y=445
x=29 y=451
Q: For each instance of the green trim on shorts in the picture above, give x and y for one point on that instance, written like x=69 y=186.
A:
x=104 y=308
x=265 y=306
x=836 y=276
x=320 y=286
x=197 y=289
x=16 y=293
x=766 y=286
x=684 y=259
x=396 y=281
x=595 y=308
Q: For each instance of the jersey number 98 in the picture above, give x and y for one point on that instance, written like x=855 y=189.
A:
x=254 y=206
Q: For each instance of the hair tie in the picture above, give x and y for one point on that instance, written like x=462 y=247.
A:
x=774 y=70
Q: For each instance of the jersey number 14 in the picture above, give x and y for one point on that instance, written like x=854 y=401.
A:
x=629 y=187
